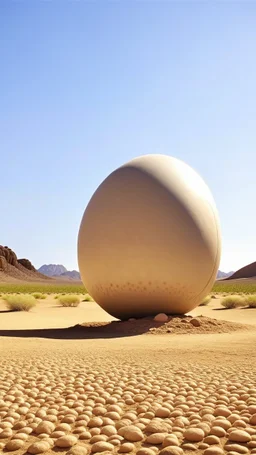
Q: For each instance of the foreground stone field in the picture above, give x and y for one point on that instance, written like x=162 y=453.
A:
x=147 y=395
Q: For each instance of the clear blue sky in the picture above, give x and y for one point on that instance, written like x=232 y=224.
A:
x=86 y=86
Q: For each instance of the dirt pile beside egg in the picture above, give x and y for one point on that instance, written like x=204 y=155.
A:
x=168 y=325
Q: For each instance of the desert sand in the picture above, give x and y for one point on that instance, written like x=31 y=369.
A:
x=169 y=393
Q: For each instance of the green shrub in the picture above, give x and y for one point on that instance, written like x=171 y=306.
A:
x=205 y=301
x=69 y=300
x=39 y=295
x=233 y=301
x=20 y=302
x=251 y=301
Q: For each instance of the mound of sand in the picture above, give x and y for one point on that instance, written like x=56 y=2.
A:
x=13 y=269
x=174 y=325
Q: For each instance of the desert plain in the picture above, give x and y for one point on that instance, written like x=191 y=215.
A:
x=71 y=385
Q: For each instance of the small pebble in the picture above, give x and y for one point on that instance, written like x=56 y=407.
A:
x=195 y=322
x=161 y=317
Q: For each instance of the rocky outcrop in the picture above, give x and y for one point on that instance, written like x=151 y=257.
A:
x=12 y=268
x=9 y=255
x=27 y=264
x=3 y=263
x=52 y=269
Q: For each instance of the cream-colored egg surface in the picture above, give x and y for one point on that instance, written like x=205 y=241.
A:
x=149 y=240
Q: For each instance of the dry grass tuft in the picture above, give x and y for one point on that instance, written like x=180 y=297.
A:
x=39 y=295
x=87 y=298
x=205 y=301
x=251 y=301
x=20 y=302
x=233 y=301
x=69 y=300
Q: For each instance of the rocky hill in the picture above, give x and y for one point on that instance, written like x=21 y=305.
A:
x=71 y=274
x=52 y=269
x=14 y=269
x=60 y=272
x=249 y=271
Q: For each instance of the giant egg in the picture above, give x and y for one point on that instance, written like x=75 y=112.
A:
x=149 y=240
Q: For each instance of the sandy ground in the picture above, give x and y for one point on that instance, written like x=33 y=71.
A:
x=168 y=394
x=48 y=314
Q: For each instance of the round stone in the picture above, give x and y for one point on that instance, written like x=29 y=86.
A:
x=133 y=434
x=126 y=447
x=162 y=412
x=218 y=431
x=155 y=438
x=14 y=444
x=85 y=435
x=214 y=450
x=45 y=427
x=189 y=446
x=6 y=433
x=171 y=450
x=22 y=436
x=161 y=317
x=109 y=430
x=194 y=434
x=239 y=436
x=212 y=440
x=236 y=448
x=98 y=438
x=195 y=322
x=101 y=447
x=145 y=451
x=170 y=440
x=38 y=447
x=253 y=419
x=149 y=268
x=156 y=426
x=66 y=441
x=78 y=450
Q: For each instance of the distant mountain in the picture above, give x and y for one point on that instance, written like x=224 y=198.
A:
x=221 y=274
x=59 y=271
x=249 y=271
x=73 y=274
x=52 y=269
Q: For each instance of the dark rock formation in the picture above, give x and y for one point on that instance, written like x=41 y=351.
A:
x=27 y=264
